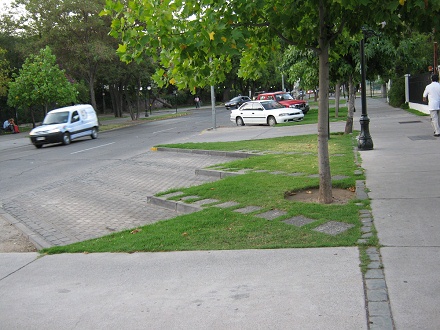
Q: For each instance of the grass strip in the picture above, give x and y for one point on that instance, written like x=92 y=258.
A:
x=216 y=229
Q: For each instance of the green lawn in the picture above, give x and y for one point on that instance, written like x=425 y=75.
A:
x=296 y=163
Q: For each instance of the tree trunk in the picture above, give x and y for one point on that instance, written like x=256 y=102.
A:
x=92 y=90
x=337 y=96
x=351 y=109
x=325 y=180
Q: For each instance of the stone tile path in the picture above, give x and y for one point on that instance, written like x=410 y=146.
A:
x=331 y=227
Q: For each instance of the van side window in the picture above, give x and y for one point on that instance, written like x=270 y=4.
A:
x=75 y=117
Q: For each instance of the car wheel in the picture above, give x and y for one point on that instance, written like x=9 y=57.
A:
x=66 y=138
x=38 y=146
x=239 y=121
x=94 y=134
x=271 y=121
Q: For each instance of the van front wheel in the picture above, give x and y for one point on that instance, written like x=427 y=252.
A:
x=66 y=138
x=94 y=134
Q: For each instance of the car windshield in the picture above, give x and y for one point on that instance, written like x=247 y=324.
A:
x=271 y=105
x=236 y=99
x=284 y=96
x=56 y=118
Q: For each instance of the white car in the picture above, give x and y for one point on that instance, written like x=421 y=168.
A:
x=265 y=112
x=66 y=124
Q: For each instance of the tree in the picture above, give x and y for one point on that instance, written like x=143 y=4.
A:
x=302 y=67
x=75 y=33
x=4 y=72
x=194 y=40
x=40 y=82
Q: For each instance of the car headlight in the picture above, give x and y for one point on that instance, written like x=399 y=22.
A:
x=283 y=114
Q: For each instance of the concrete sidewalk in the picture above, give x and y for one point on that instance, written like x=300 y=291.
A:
x=258 y=289
x=403 y=175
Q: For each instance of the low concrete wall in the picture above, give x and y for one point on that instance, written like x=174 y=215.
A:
x=420 y=107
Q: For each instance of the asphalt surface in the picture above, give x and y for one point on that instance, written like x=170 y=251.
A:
x=248 y=289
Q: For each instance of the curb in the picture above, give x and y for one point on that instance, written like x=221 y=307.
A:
x=173 y=205
x=35 y=239
x=235 y=154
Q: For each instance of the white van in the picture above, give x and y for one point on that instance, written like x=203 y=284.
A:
x=66 y=124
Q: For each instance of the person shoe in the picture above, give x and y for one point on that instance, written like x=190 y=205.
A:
x=436 y=134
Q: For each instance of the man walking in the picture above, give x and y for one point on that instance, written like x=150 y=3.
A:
x=432 y=93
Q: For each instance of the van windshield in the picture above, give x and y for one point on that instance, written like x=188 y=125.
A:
x=56 y=118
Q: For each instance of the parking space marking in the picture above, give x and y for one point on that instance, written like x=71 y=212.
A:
x=103 y=145
x=164 y=130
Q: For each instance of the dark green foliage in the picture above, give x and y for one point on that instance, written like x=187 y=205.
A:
x=397 y=92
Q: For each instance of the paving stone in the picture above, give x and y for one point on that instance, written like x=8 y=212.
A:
x=379 y=308
x=380 y=322
x=205 y=201
x=374 y=257
x=227 y=204
x=362 y=241
x=339 y=177
x=367 y=221
x=365 y=212
x=248 y=209
x=366 y=228
x=377 y=295
x=299 y=221
x=375 y=284
x=367 y=235
x=333 y=227
x=277 y=172
x=374 y=265
x=374 y=273
x=360 y=190
x=372 y=250
x=272 y=214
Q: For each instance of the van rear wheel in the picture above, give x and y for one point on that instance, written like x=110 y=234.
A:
x=94 y=134
x=66 y=138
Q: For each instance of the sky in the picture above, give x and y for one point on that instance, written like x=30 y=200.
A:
x=3 y=2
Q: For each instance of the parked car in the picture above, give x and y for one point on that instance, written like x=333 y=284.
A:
x=65 y=124
x=266 y=112
x=236 y=102
x=285 y=99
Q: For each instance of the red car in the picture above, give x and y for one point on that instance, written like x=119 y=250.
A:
x=285 y=99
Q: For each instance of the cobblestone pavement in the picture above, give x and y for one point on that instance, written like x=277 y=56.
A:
x=108 y=199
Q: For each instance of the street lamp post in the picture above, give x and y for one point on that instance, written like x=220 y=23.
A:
x=365 y=142
x=175 y=98
x=149 y=99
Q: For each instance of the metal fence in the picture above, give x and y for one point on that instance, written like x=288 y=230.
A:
x=417 y=85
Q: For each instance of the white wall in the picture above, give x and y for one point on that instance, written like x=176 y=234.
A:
x=420 y=107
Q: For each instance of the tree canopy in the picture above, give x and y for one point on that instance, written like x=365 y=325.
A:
x=40 y=82
x=194 y=40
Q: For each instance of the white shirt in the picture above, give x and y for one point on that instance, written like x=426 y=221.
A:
x=432 y=91
x=6 y=124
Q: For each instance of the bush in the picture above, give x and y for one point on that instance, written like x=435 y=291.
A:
x=397 y=92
